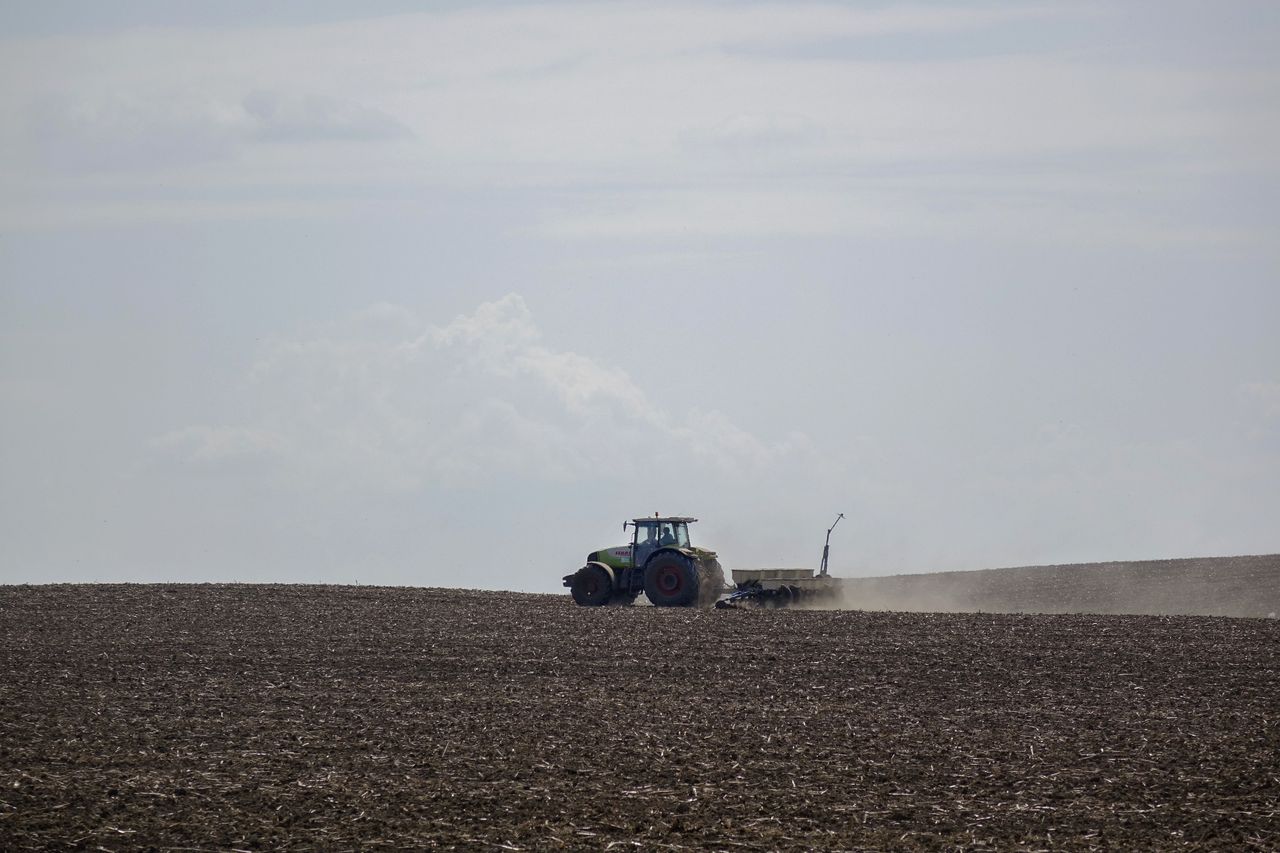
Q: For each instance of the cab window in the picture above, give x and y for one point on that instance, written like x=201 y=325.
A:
x=647 y=534
x=674 y=533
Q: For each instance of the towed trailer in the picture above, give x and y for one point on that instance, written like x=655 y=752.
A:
x=778 y=588
x=784 y=587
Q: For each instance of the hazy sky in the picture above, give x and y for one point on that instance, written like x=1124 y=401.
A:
x=354 y=292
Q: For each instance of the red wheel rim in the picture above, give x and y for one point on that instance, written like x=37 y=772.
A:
x=670 y=581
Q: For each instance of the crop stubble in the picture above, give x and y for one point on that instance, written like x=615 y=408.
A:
x=273 y=717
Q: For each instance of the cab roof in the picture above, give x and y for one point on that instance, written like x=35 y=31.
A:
x=664 y=518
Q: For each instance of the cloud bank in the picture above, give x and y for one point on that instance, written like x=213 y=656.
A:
x=659 y=122
x=384 y=400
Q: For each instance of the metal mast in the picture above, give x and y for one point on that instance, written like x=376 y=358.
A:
x=826 y=548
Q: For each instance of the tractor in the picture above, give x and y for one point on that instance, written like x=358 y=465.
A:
x=660 y=562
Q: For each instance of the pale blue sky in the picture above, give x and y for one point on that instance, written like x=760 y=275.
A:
x=354 y=292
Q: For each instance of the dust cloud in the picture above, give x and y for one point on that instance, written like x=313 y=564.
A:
x=1222 y=586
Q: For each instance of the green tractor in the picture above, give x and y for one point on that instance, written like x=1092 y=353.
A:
x=659 y=562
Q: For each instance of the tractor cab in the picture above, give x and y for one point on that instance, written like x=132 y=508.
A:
x=654 y=533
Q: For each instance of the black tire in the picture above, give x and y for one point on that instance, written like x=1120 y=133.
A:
x=710 y=582
x=671 y=580
x=591 y=586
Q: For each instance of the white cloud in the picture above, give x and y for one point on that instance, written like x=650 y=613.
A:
x=167 y=129
x=131 y=131
x=311 y=118
x=384 y=400
x=216 y=444
x=1265 y=396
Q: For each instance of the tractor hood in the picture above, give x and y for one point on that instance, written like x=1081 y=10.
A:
x=618 y=557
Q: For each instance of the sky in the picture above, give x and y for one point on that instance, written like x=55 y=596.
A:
x=440 y=294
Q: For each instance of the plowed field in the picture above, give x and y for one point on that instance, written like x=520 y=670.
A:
x=291 y=717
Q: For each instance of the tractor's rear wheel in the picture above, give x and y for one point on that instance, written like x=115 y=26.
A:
x=591 y=586
x=671 y=580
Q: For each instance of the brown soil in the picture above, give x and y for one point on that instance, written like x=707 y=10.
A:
x=294 y=717
x=1218 y=586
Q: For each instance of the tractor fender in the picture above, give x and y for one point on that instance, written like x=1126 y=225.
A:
x=608 y=570
x=671 y=549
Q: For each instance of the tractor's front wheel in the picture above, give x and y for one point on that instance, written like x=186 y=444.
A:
x=591 y=586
